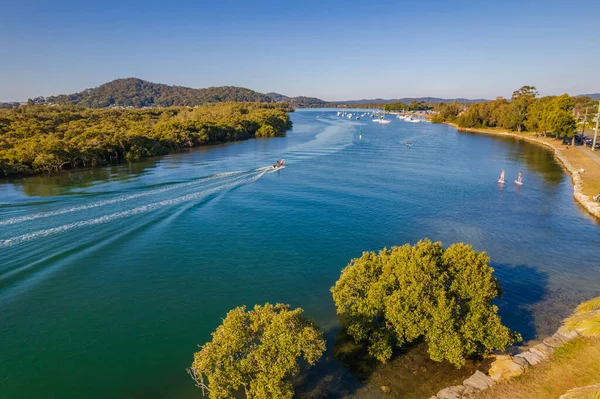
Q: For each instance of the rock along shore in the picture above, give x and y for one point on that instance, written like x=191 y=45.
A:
x=506 y=367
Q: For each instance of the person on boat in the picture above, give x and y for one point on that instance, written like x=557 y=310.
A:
x=519 y=178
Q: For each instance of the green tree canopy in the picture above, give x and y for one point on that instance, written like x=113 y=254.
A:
x=447 y=112
x=37 y=138
x=559 y=116
x=423 y=292
x=551 y=114
x=516 y=114
x=257 y=352
x=525 y=92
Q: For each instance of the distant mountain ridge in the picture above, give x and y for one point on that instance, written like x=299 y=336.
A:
x=407 y=100
x=299 y=101
x=593 y=96
x=303 y=101
x=136 y=92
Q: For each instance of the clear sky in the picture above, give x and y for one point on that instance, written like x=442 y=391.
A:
x=335 y=50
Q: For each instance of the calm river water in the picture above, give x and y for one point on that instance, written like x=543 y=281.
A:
x=110 y=278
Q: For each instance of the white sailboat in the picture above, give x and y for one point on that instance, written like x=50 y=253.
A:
x=501 y=179
x=519 y=180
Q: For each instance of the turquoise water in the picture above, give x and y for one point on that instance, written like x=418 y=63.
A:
x=110 y=278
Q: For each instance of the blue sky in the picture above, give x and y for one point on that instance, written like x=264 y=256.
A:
x=335 y=50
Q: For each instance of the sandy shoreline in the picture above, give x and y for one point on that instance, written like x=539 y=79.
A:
x=567 y=158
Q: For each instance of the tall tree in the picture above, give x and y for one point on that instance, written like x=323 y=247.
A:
x=535 y=115
x=526 y=92
x=559 y=117
x=517 y=112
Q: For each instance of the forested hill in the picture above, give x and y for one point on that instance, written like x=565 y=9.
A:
x=593 y=96
x=140 y=93
x=300 y=101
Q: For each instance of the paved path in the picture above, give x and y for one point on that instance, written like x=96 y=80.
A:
x=594 y=156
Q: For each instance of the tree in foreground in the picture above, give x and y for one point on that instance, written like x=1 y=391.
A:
x=257 y=352
x=424 y=292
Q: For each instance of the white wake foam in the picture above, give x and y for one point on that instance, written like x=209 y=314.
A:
x=135 y=211
x=40 y=215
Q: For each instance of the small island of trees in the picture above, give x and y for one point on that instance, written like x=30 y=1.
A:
x=385 y=300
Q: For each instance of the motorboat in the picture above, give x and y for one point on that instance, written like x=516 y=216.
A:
x=278 y=164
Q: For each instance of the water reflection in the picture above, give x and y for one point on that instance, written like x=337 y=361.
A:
x=519 y=295
x=537 y=158
x=347 y=371
x=63 y=183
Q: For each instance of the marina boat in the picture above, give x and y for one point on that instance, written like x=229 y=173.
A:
x=382 y=119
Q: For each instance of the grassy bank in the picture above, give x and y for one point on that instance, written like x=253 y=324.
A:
x=582 y=163
x=573 y=365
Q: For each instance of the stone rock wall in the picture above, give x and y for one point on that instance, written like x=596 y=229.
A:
x=505 y=367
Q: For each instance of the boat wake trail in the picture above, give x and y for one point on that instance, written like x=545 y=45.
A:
x=236 y=179
x=40 y=215
x=334 y=137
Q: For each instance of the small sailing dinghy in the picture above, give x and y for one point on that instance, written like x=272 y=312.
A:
x=360 y=135
x=519 y=180
x=501 y=179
